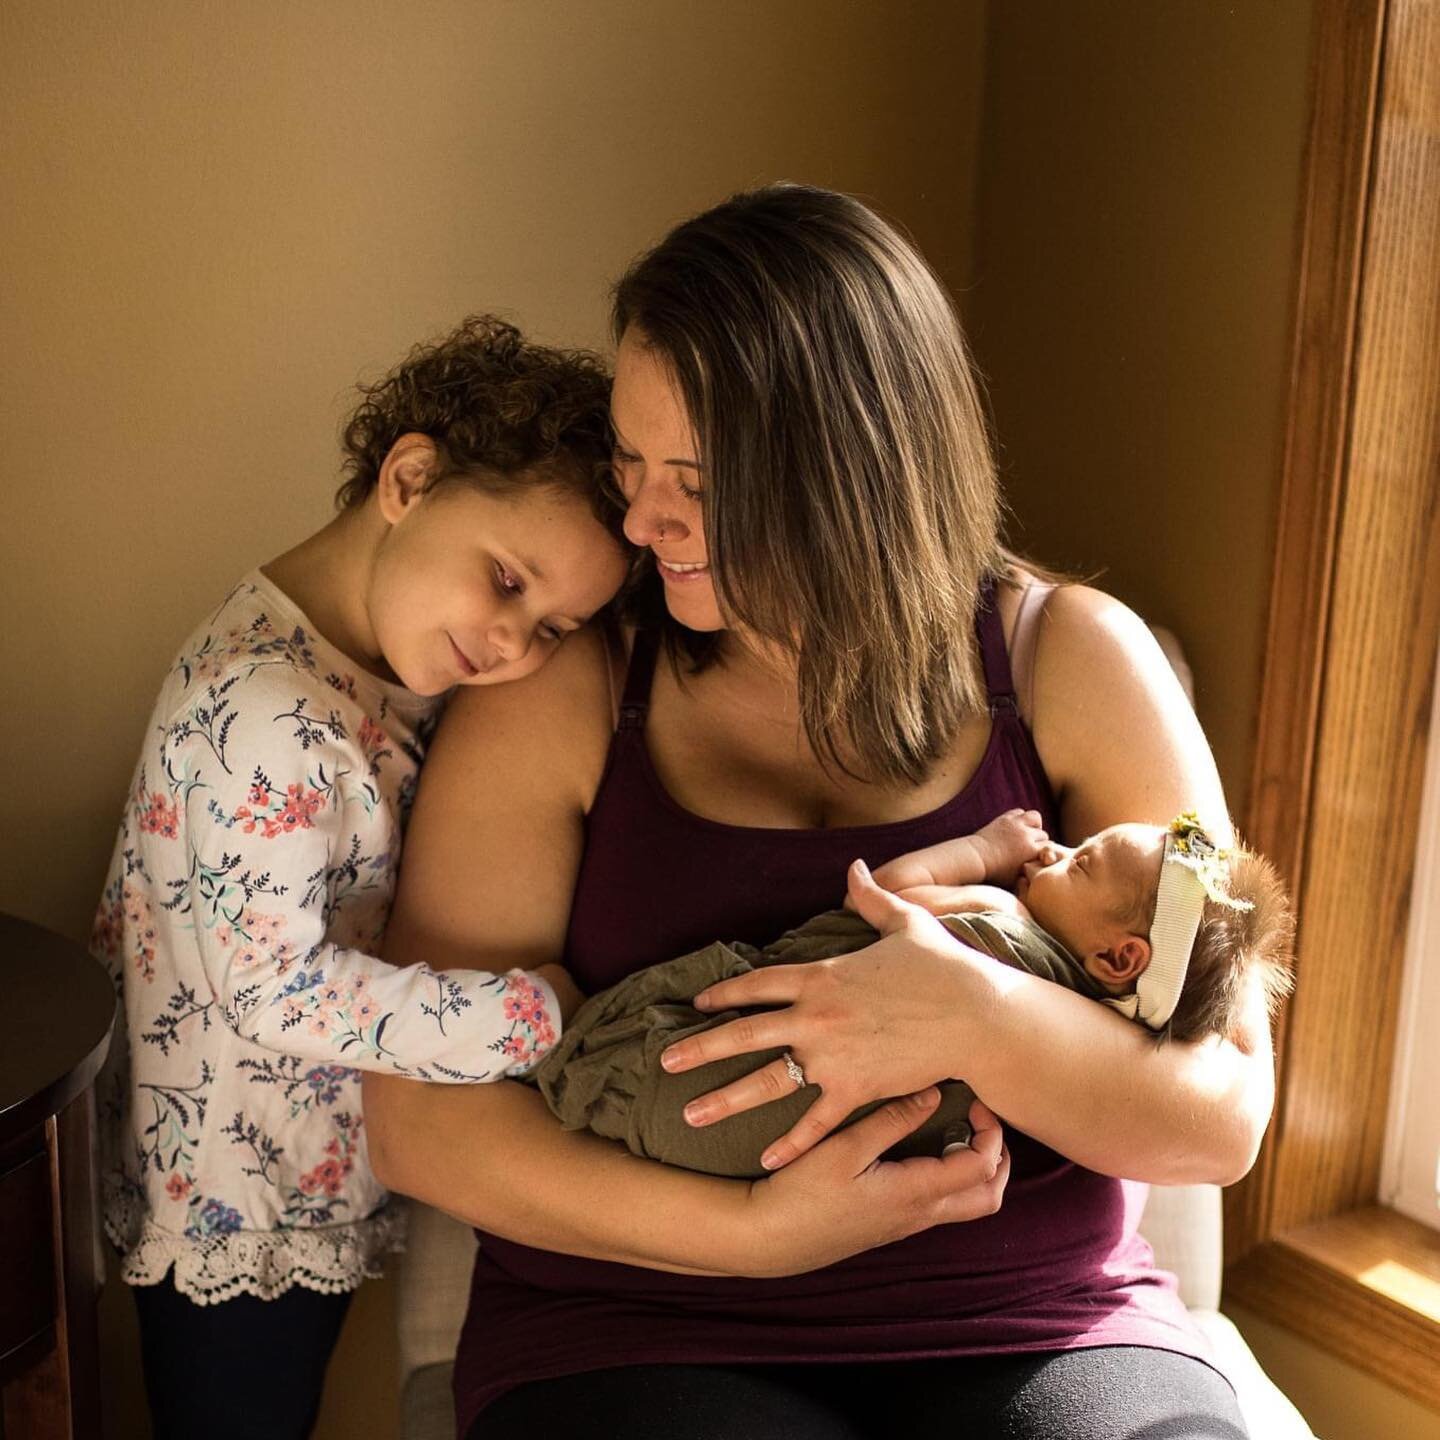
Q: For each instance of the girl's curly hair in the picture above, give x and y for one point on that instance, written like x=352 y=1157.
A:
x=501 y=411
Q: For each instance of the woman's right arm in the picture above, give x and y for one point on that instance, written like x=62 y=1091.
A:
x=490 y=863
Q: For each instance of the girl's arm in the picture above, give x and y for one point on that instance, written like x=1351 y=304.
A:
x=280 y=825
x=490 y=863
x=1119 y=742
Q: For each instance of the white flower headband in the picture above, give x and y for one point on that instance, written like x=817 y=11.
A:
x=1193 y=870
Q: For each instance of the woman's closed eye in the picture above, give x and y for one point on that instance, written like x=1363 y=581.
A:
x=621 y=457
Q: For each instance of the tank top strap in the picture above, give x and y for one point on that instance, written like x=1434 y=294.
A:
x=994 y=658
x=639 y=675
x=1025 y=640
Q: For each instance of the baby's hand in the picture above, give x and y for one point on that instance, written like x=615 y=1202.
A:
x=1007 y=842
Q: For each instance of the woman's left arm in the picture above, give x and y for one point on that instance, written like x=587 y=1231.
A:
x=1120 y=742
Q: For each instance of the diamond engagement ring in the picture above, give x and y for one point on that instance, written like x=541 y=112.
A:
x=793 y=1070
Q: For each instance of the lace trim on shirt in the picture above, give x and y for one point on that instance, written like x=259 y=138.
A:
x=331 y=1259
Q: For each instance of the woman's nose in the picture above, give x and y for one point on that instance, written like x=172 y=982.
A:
x=649 y=519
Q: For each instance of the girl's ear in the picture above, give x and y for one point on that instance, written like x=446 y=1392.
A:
x=407 y=470
x=1122 y=963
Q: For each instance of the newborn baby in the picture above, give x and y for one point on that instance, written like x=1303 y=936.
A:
x=1157 y=922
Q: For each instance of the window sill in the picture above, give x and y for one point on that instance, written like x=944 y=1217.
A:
x=1364 y=1284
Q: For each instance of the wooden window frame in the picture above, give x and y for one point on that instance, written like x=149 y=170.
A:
x=1346 y=694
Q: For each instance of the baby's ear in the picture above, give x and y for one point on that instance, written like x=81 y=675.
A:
x=1122 y=963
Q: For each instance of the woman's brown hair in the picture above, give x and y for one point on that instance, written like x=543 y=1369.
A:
x=851 y=506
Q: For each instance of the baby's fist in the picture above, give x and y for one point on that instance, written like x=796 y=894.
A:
x=1008 y=841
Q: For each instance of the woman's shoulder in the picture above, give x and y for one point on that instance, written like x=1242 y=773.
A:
x=1115 y=729
x=552 y=728
x=1074 y=628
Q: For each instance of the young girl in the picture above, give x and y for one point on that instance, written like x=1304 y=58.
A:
x=257 y=856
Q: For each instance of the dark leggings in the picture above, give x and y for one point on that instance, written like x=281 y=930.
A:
x=237 y=1370
x=1098 y=1394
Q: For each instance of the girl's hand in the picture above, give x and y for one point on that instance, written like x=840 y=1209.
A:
x=842 y=1198
x=567 y=992
x=863 y=1027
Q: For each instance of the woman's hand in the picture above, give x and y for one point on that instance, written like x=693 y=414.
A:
x=863 y=1027
x=842 y=1198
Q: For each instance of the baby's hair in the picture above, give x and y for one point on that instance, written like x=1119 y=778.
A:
x=1234 y=948
x=502 y=412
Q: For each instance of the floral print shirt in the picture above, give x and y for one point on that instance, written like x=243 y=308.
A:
x=240 y=920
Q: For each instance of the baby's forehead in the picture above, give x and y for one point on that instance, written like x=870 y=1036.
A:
x=1129 y=845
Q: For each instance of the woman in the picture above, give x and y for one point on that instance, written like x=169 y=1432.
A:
x=802 y=449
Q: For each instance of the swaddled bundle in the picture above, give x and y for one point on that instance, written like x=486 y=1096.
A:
x=604 y=1074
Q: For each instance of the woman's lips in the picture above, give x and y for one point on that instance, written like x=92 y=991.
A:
x=682 y=572
x=463 y=660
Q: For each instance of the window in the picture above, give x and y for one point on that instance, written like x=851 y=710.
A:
x=1410 y=1181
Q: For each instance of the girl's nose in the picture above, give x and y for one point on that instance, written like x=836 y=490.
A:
x=511 y=642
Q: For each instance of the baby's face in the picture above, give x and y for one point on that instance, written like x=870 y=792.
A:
x=1080 y=896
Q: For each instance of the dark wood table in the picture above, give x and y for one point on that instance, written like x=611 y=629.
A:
x=57 y=1013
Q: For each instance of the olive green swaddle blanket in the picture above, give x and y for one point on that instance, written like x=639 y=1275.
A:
x=604 y=1073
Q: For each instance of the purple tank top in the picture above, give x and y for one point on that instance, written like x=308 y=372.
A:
x=1061 y=1265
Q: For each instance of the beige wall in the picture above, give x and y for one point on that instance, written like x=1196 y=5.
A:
x=216 y=218
x=1133 y=285
x=213 y=222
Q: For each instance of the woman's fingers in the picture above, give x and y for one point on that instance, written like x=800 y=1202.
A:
x=807 y=1132
x=869 y=1138
x=760 y=1031
x=771 y=985
x=882 y=909
x=976 y=1186
x=980 y=1173
x=770 y=1082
